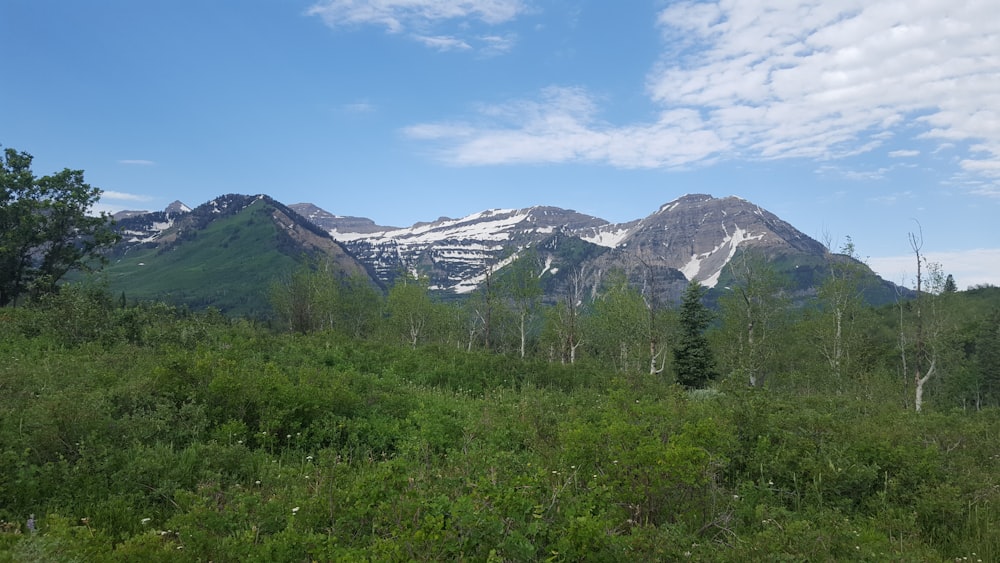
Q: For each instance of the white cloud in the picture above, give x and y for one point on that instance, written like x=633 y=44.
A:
x=112 y=202
x=854 y=175
x=904 y=154
x=137 y=162
x=443 y=42
x=497 y=44
x=563 y=127
x=123 y=196
x=969 y=267
x=769 y=79
x=397 y=15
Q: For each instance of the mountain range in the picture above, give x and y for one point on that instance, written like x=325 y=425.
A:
x=226 y=252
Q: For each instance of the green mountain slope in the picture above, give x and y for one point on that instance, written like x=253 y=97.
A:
x=223 y=256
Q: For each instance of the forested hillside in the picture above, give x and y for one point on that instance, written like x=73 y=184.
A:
x=357 y=426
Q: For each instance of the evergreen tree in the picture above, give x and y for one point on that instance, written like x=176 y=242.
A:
x=694 y=364
x=949 y=285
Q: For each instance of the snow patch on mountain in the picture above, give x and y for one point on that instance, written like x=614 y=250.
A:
x=693 y=268
x=610 y=238
x=468 y=285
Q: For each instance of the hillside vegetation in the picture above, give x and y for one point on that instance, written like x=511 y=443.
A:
x=142 y=432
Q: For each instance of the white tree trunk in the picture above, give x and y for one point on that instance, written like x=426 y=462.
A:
x=918 y=399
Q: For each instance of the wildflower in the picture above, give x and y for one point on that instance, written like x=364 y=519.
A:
x=145 y=521
x=294 y=510
x=257 y=482
x=31 y=523
x=309 y=458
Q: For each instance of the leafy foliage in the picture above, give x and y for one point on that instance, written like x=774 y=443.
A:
x=387 y=430
x=45 y=227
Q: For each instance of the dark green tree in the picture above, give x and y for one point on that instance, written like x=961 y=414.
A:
x=949 y=285
x=46 y=228
x=694 y=363
x=988 y=361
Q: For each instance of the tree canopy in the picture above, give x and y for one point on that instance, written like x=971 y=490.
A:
x=46 y=228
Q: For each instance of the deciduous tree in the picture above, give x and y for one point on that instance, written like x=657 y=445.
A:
x=410 y=308
x=753 y=310
x=841 y=299
x=616 y=328
x=521 y=285
x=46 y=228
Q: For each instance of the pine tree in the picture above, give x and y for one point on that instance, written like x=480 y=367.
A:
x=949 y=285
x=694 y=364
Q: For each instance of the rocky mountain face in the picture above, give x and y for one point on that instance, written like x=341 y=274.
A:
x=454 y=253
x=691 y=238
x=694 y=237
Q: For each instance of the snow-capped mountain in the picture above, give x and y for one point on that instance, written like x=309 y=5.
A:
x=235 y=239
x=147 y=226
x=691 y=238
x=455 y=253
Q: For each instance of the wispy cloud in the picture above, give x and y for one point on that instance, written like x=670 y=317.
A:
x=563 y=126
x=443 y=42
x=904 y=154
x=497 y=44
x=137 y=162
x=421 y=17
x=855 y=175
x=123 y=196
x=969 y=267
x=893 y=198
x=769 y=79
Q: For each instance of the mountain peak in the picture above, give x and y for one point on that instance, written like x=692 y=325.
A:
x=177 y=207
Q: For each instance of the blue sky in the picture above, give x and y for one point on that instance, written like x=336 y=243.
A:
x=867 y=119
